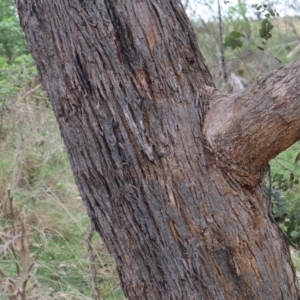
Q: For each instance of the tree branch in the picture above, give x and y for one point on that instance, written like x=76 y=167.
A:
x=249 y=128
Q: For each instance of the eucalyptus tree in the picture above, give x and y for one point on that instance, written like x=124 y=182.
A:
x=170 y=169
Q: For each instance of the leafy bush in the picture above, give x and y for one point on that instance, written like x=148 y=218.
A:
x=12 y=42
x=286 y=191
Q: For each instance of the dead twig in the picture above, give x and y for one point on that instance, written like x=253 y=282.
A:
x=91 y=256
x=10 y=199
x=19 y=288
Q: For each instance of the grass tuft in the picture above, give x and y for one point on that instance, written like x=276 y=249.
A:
x=35 y=173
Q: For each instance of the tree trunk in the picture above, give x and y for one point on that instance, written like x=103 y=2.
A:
x=169 y=169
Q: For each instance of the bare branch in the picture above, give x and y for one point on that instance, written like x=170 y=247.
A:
x=267 y=110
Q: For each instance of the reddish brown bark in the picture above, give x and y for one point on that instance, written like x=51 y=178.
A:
x=170 y=171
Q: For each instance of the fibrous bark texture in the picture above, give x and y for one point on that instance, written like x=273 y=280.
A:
x=249 y=128
x=169 y=169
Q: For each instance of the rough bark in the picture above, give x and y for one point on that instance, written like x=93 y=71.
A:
x=169 y=169
x=249 y=128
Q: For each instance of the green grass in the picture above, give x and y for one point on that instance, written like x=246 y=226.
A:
x=34 y=168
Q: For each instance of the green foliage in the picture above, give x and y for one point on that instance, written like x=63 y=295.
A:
x=258 y=55
x=237 y=17
x=260 y=48
x=12 y=42
x=234 y=40
x=279 y=204
x=13 y=76
x=286 y=191
x=265 y=29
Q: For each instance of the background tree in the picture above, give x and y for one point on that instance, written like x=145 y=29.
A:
x=11 y=41
x=170 y=169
